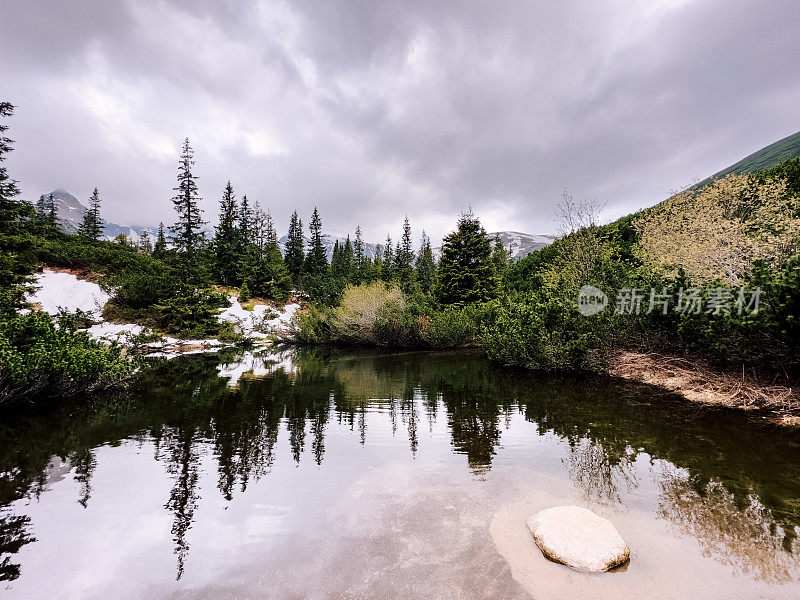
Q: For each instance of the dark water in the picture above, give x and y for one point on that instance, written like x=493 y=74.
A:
x=366 y=475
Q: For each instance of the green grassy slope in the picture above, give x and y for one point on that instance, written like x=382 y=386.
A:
x=767 y=157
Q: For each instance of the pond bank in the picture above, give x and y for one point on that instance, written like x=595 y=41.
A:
x=698 y=382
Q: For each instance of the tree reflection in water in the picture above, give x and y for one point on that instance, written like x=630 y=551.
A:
x=741 y=532
x=733 y=485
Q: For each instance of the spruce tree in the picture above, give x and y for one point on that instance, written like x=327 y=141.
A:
x=48 y=213
x=260 y=226
x=226 y=239
x=466 y=271
x=348 y=259
x=9 y=205
x=295 y=248
x=342 y=261
x=270 y=235
x=146 y=244
x=426 y=265
x=160 y=247
x=246 y=223
x=186 y=233
x=387 y=262
x=316 y=263
x=404 y=258
x=358 y=258
x=499 y=257
x=92 y=226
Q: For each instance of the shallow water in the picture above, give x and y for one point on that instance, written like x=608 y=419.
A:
x=332 y=475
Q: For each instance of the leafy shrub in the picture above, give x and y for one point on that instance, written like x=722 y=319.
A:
x=244 y=293
x=40 y=357
x=451 y=327
x=142 y=286
x=542 y=334
x=192 y=313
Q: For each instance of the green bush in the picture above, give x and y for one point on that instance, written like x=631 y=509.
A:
x=244 y=293
x=192 y=313
x=378 y=314
x=143 y=286
x=543 y=334
x=41 y=358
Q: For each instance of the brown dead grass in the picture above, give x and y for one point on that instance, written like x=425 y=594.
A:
x=84 y=274
x=698 y=382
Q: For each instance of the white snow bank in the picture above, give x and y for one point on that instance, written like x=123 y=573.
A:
x=63 y=290
x=259 y=321
x=57 y=291
x=112 y=332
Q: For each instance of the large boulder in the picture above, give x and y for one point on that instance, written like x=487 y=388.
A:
x=579 y=538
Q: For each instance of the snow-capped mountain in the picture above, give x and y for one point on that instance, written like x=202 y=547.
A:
x=70 y=213
x=519 y=244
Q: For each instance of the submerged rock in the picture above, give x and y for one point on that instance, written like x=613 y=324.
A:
x=579 y=538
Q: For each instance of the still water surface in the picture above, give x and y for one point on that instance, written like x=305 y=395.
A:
x=334 y=475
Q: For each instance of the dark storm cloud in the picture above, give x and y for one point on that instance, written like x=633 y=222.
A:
x=376 y=109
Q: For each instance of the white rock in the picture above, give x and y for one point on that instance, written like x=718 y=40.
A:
x=579 y=538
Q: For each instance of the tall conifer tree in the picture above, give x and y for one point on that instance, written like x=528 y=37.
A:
x=186 y=232
x=316 y=264
x=466 y=271
x=387 y=262
x=426 y=265
x=92 y=226
x=160 y=247
x=404 y=258
x=295 y=248
x=9 y=190
x=226 y=238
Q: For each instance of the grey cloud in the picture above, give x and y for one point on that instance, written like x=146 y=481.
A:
x=373 y=109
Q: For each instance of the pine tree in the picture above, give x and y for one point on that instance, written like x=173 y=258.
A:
x=499 y=257
x=92 y=226
x=146 y=244
x=404 y=258
x=270 y=235
x=46 y=207
x=359 y=261
x=186 y=233
x=246 y=223
x=316 y=263
x=260 y=226
x=295 y=248
x=426 y=265
x=265 y=272
x=466 y=271
x=9 y=190
x=387 y=262
x=160 y=247
x=226 y=239
x=342 y=261
x=348 y=259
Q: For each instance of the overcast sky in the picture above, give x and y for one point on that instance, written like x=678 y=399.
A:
x=374 y=109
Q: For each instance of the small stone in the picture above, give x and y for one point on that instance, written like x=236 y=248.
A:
x=578 y=538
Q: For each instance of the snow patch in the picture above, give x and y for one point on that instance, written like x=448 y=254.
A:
x=258 y=322
x=57 y=291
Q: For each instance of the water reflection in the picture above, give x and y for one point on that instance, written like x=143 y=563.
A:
x=739 y=531
x=728 y=482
